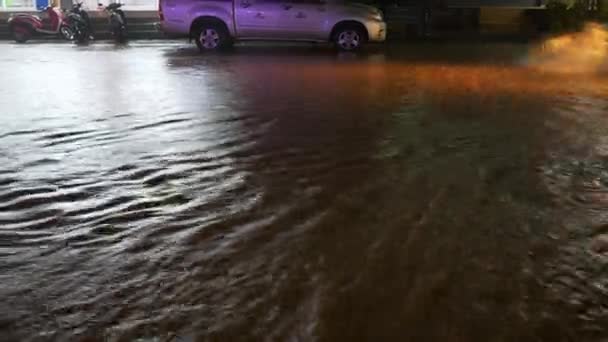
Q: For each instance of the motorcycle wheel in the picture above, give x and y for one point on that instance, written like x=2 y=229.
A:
x=81 y=35
x=67 y=33
x=120 y=34
x=81 y=38
x=21 y=34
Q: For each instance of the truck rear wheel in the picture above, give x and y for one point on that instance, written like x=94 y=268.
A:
x=212 y=37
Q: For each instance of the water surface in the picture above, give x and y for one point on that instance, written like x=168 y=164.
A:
x=421 y=193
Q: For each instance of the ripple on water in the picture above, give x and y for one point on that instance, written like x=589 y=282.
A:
x=577 y=276
x=335 y=198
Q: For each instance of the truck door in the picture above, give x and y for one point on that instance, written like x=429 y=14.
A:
x=256 y=18
x=304 y=19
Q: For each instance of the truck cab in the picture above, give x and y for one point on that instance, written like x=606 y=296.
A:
x=214 y=24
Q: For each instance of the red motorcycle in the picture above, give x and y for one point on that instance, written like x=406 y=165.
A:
x=24 y=26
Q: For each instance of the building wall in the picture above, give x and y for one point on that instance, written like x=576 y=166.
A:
x=494 y=3
x=603 y=8
x=8 y=4
x=501 y=20
x=131 y=5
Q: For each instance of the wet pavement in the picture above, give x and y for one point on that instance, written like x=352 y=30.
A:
x=427 y=192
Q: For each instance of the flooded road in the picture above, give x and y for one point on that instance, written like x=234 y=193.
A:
x=431 y=192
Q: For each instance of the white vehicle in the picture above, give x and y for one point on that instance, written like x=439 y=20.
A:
x=215 y=24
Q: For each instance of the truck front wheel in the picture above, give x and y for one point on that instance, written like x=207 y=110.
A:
x=212 y=37
x=349 y=37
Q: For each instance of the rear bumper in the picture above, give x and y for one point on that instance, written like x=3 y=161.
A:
x=376 y=31
x=170 y=31
x=169 y=28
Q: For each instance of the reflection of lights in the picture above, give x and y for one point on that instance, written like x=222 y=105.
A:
x=491 y=80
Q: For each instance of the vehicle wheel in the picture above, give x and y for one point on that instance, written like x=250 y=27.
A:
x=21 y=34
x=82 y=37
x=350 y=38
x=212 y=37
x=67 y=32
x=118 y=27
x=80 y=34
x=120 y=34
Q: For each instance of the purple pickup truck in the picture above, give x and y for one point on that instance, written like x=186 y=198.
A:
x=215 y=24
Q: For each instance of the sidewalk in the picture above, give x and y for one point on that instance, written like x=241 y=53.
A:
x=505 y=25
x=140 y=25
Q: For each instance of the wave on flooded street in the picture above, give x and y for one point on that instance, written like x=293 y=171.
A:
x=264 y=195
x=584 y=52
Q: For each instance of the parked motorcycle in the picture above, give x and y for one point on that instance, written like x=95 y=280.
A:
x=117 y=21
x=24 y=26
x=80 y=23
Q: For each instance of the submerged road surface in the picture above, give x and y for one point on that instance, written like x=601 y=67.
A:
x=423 y=193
